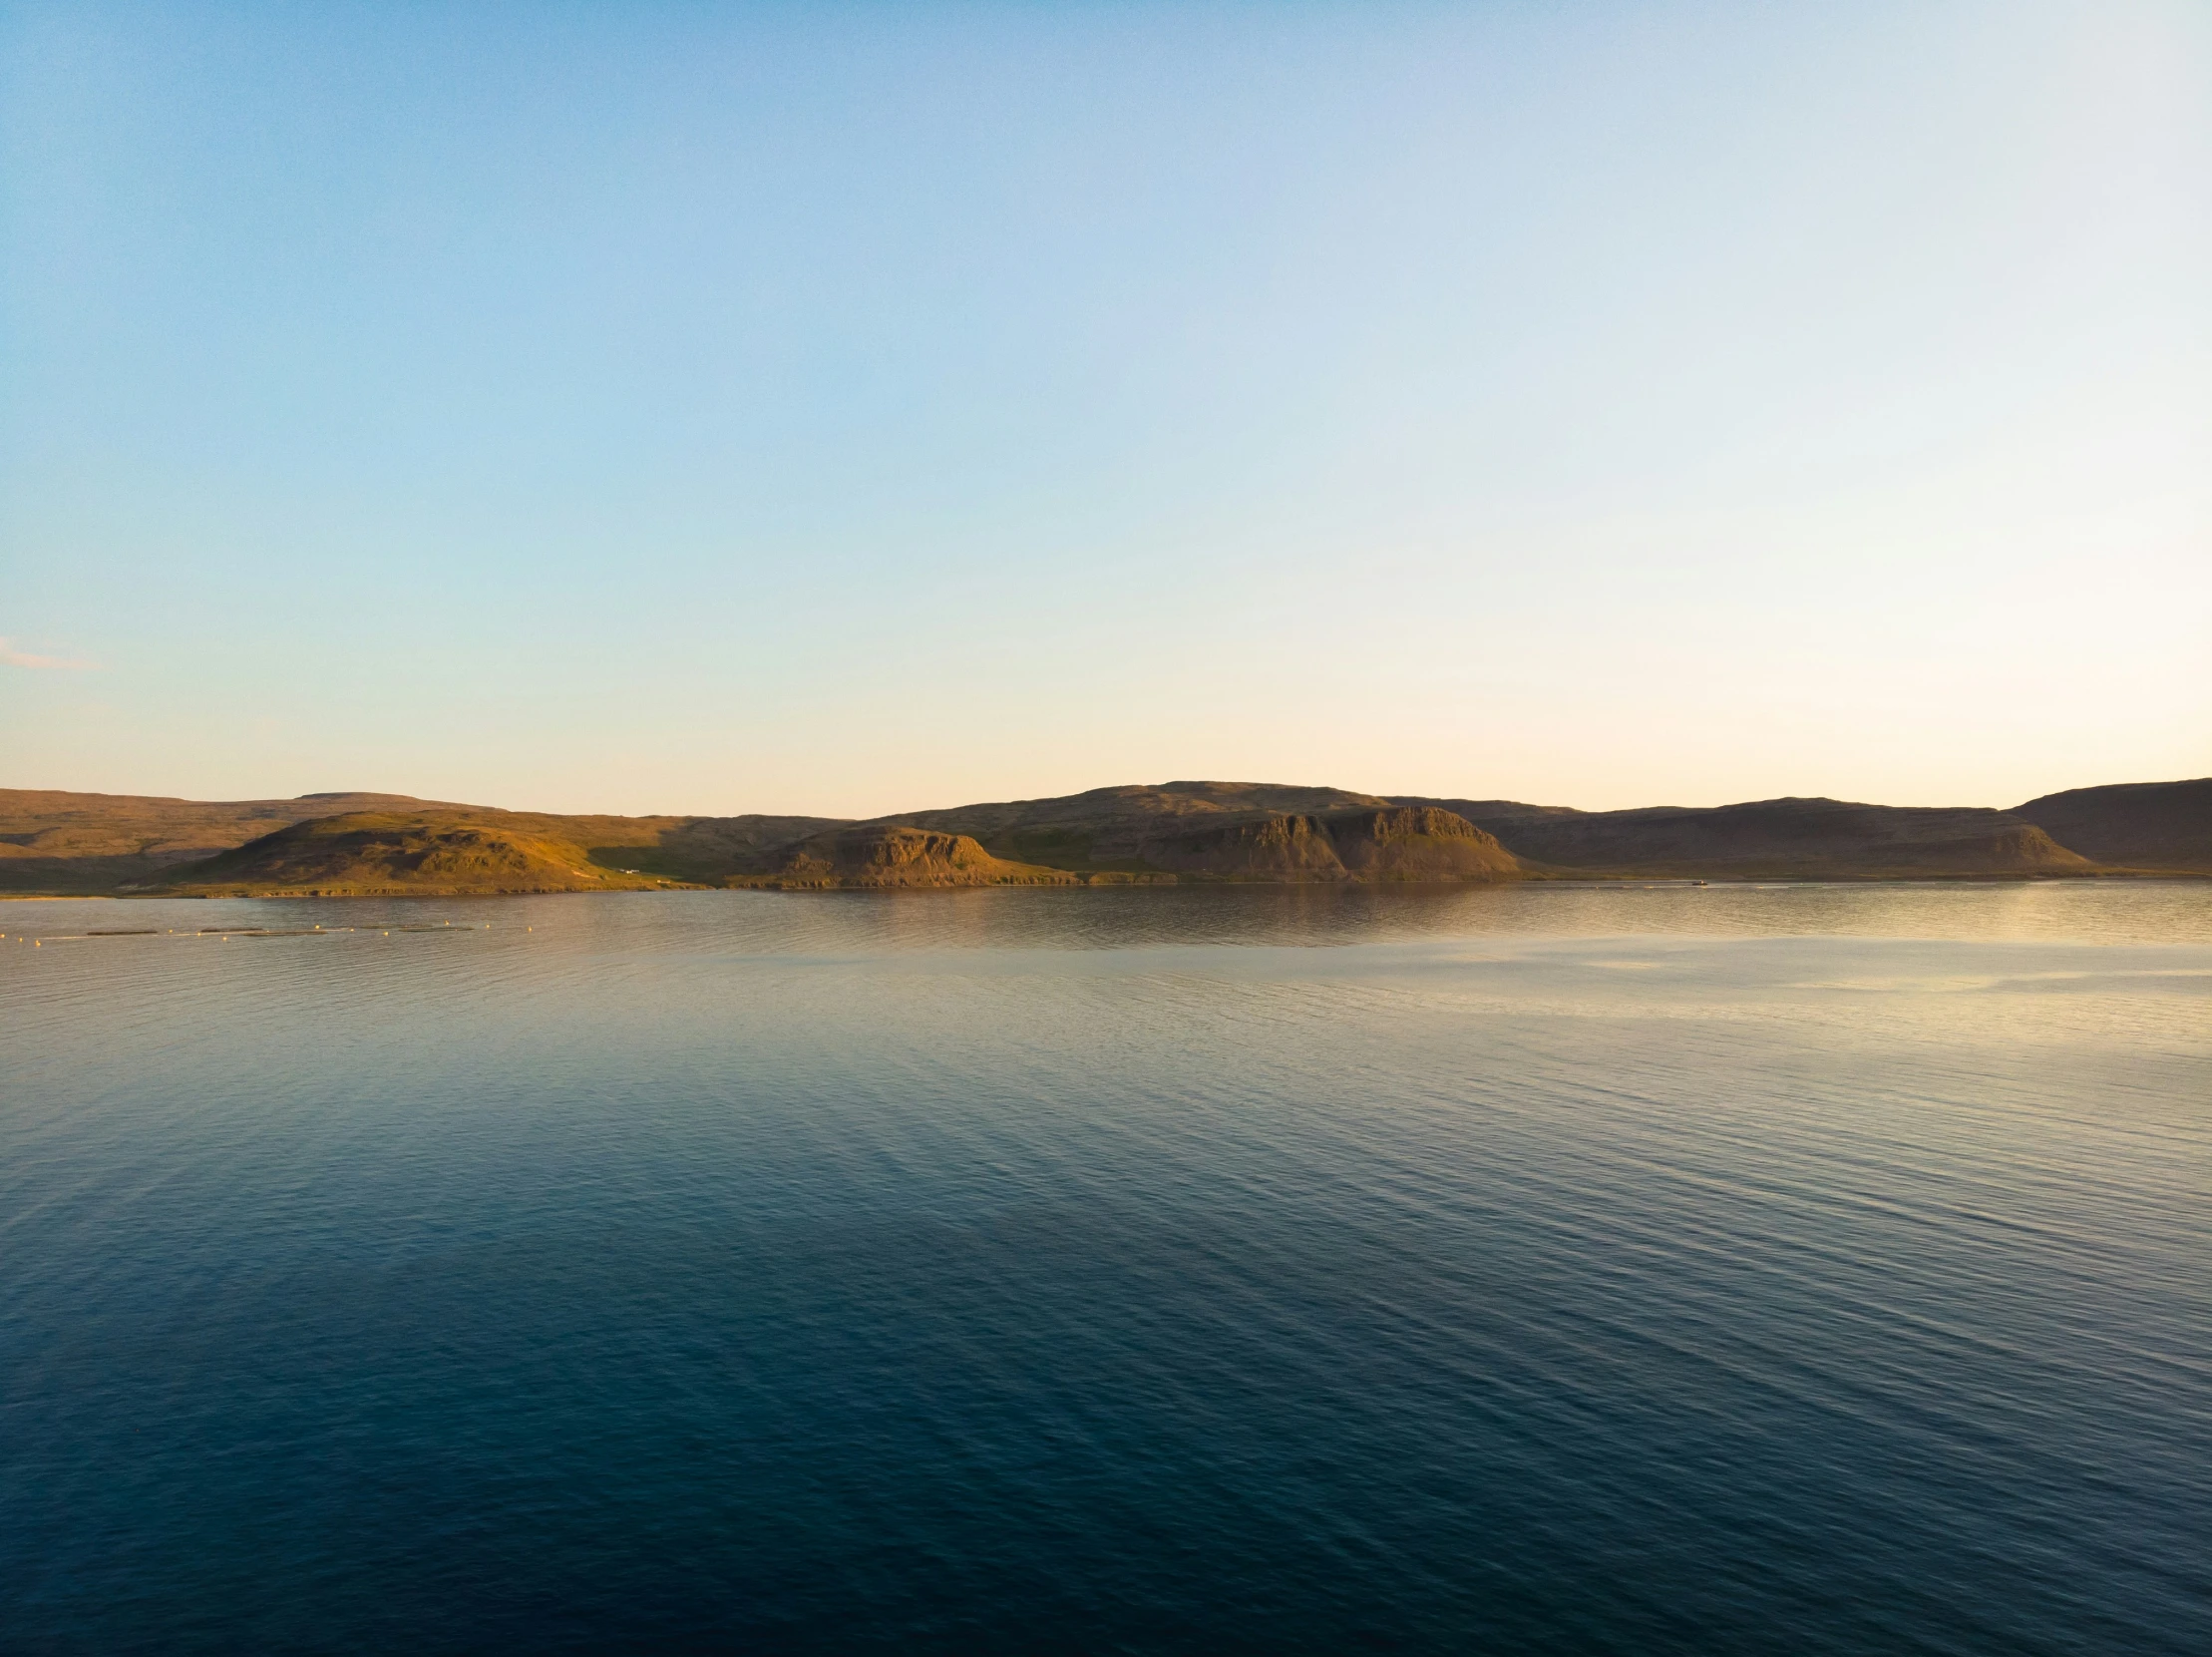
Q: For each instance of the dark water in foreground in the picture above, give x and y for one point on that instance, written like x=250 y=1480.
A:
x=1805 y=1270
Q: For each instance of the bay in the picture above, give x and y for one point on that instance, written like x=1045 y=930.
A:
x=1734 y=1269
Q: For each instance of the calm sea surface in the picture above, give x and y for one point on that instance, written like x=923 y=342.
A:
x=1804 y=1269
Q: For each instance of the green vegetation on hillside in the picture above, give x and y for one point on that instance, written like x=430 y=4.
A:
x=893 y=855
x=51 y=841
x=381 y=853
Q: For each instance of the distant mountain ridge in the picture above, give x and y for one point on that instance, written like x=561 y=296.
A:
x=2154 y=824
x=1777 y=838
x=357 y=844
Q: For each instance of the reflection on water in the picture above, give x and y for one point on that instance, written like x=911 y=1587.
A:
x=1722 y=1269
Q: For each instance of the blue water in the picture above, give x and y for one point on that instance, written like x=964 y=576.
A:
x=1794 y=1270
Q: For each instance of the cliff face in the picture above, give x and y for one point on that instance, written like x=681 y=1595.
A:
x=1230 y=831
x=1417 y=843
x=1266 y=848
x=895 y=856
x=1118 y=835
x=1138 y=830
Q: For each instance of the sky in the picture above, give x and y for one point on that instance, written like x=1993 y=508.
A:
x=857 y=408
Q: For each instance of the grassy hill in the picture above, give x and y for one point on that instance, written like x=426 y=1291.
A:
x=891 y=855
x=59 y=843
x=369 y=853
x=54 y=841
x=1165 y=832
x=466 y=849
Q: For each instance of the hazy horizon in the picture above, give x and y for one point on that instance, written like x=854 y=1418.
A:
x=948 y=804
x=844 y=410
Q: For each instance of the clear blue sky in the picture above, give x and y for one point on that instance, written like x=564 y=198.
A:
x=852 y=408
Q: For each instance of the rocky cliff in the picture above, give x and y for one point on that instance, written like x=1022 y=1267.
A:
x=1418 y=843
x=889 y=855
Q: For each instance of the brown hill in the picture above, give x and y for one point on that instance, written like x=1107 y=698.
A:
x=478 y=848
x=1175 y=831
x=2139 y=825
x=380 y=853
x=1419 y=843
x=698 y=851
x=1788 y=838
x=50 y=840
x=55 y=842
x=889 y=855
x=1137 y=829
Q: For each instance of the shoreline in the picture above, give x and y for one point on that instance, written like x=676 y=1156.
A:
x=1560 y=882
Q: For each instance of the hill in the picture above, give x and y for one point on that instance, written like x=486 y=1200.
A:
x=55 y=841
x=1767 y=839
x=1230 y=831
x=58 y=843
x=889 y=855
x=2144 y=825
x=1390 y=843
x=1166 y=832
x=1178 y=831
x=381 y=853
x=465 y=849
x=1138 y=829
